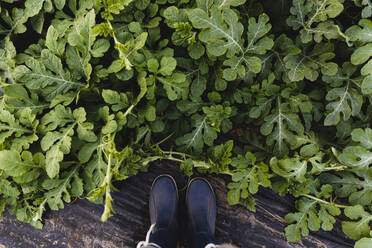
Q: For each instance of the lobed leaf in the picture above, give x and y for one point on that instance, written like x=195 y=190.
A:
x=360 y=226
x=248 y=177
x=357 y=188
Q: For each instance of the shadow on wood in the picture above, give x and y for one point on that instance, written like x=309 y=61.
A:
x=78 y=225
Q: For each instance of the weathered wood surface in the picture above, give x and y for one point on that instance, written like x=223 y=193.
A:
x=78 y=225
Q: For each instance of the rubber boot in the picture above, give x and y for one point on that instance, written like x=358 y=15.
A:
x=163 y=205
x=201 y=207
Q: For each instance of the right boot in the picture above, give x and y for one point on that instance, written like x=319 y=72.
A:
x=163 y=206
x=201 y=207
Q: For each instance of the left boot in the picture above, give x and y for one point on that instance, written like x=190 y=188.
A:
x=163 y=206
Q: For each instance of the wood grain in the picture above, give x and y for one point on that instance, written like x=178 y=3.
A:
x=78 y=225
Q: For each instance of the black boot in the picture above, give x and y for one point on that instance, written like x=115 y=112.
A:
x=201 y=207
x=163 y=204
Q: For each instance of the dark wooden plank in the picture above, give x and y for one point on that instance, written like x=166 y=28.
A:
x=78 y=224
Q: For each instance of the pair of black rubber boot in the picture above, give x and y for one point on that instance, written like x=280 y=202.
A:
x=201 y=207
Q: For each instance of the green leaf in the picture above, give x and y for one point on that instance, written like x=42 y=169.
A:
x=220 y=157
x=221 y=31
x=20 y=132
x=229 y=3
x=196 y=51
x=345 y=100
x=118 y=101
x=301 y=66
x=53 y=43
x=312 y=215
x=59 y=190
x=198 y=85
x=362 y=54
x=290 y=168
x=364 y=137
x=263 y=108
x=363 y=243
x=129 y=50
x=150 y=114
x=12 y=164
x=309 y=146
x=327 y=30
x=167 y=66
x=7 y=63
x=24 y=167
x=111 y=125
x=49 y=75
x=281 y=127
x=153 y=65
x=33 y=7
x=57 y=142
x=216 y=114
x=361 y=32
x=114 y=159
x=8 y=191
x=9 y=160
x=233 y=196
x=202 y=134
x=306 y=13
x=360 y=226
x=357 y=188
x=59 y=4
x=248 y=177
x=84 y=41
x=112 y=7
x=258 y=44
x=176 y=86
x=16 y=21
x=367 y=11
x=356 y=157
x=283 y=47
x=96 y=169
x=367 y=84
x=16 y=97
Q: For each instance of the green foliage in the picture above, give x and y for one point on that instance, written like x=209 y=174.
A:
x=246 y=178
x=367 y=7
x=363 y=243
x=360 y=227
x=268 y=96
x=312 y=214
x=362 y=33
x=314 y=19
x=346 y=100
x=356 y=188
x=301 y=66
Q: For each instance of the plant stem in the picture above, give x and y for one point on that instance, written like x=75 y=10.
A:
x=227 y=173
x=129 y=110
x=122 y=56
x=177 y=153
x=323 y=201
x=173 y=159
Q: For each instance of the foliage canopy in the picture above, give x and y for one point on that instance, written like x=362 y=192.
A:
x=274 y=94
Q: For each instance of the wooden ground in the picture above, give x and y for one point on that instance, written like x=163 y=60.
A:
x=78 y=225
